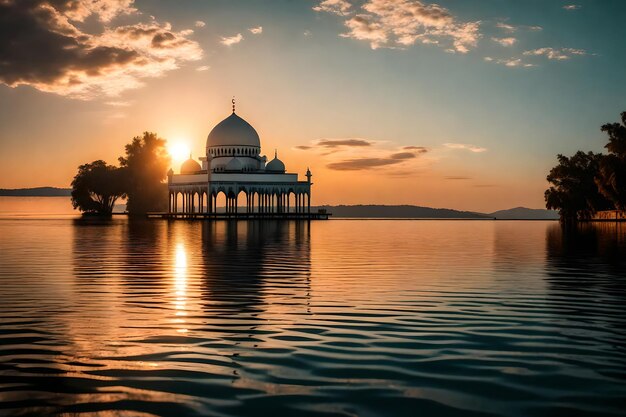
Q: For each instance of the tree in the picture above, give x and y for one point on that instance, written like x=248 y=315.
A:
x=574 y=192
x=145 y=164
x=611 y=178
x=96 y=187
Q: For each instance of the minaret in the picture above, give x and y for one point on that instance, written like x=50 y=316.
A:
x=308 y=175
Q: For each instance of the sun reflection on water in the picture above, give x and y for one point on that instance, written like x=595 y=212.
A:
x=180 y=287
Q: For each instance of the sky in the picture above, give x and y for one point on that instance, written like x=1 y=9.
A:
x=458 y=104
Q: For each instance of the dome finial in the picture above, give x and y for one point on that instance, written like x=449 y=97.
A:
x=233 y=101
x=275 y=153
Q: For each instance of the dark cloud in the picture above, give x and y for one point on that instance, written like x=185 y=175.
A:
x=303 y=147
x=418 y=149
x=334 y=143
x=402 y=155
x=40 y=46
x=356 y=164
x=362 y=163
x=458 y=178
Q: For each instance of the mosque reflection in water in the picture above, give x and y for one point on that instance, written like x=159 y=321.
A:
x=155 y=277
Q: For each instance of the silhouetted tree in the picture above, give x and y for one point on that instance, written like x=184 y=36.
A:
x=145 y=164
x=574 y=192
x=96 y=187
x=611 y=177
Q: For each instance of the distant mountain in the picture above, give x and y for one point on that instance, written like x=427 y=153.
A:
x=36 y=192
x=523 y=213
x=405 y=211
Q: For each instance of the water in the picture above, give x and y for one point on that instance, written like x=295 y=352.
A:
x=344 y=317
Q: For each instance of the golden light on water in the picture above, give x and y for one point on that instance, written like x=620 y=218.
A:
x=180 y=286
x=179 y=151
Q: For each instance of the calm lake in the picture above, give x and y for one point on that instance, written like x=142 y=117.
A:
x=339 y=317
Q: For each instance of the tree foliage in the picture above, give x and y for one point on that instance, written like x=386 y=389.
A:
x=611 y=177
x=96 y=187
x=574 y=192
x=145 y=164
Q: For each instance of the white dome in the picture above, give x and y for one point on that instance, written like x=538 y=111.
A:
x=234 y=165
x=190 y=166
x=233 y=131
x=275 y=165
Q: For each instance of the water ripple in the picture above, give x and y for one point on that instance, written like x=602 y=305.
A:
x=346 y=318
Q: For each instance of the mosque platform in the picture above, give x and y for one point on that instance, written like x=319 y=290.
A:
x=239 y=216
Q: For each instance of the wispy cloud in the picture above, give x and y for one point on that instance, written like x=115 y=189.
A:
x=336 y=143
x=231 y=40
x=402 y=23
x=418 y=149
x=510 y=41
x=45 y=47
x=509 y=62
x=556 y=53
x=572 y=6
x=200 y=24
x=352 y=154
x=118 y=103
x=338 y=7
x=203 y=68
x=465 y=146
x=508 y=27
x=457 y=178
x=257 y=30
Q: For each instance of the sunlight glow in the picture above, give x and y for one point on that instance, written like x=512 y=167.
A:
x=179 y=151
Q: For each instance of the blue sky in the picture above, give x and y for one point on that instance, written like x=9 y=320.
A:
x=489 y=91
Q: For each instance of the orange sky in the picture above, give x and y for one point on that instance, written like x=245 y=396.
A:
x=472 y=119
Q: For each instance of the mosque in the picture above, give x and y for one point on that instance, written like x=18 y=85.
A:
x=233 y=164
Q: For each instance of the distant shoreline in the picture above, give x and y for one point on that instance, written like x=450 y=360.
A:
x=358 y=211
x=36 y=192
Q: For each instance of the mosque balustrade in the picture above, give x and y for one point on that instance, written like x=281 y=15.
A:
x=233 y=198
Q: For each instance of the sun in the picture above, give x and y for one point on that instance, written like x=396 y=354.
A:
x=179 y=151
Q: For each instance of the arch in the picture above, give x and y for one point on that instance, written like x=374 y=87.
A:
x=241 y=200
x=220 y=201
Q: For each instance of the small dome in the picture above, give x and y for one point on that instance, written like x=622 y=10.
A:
x=234 y=165
x=233 y=131
x=275 y=165
x=190 y=166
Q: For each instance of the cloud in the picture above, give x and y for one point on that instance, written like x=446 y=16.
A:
x=373 y=161
x=418 y=149
x=458 y=178
x=402 y=23
x=402 y=155
x=42 y=47
x=200 y=24
x=572 y=7
x=118 y=103
x=357 y=164
x=509 y=62
x=231 y=40
x=507 y=27
x=505 y=41
x=338 y=7
x=257 y=30
x=336 y=143
x=556 y=53
x=465 y=146
x=203 y=68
